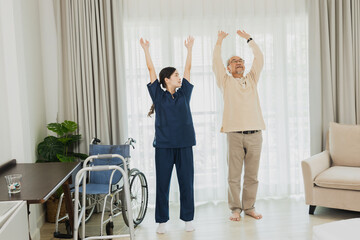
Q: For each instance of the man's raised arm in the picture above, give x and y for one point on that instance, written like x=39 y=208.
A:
x=258 y=61
x=218 y=66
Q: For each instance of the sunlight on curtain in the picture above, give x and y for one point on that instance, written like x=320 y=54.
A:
x=280 y=29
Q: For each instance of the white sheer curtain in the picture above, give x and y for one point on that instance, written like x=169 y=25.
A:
x=280 y=29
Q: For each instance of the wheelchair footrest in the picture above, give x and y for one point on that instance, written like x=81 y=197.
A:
x=63 y=235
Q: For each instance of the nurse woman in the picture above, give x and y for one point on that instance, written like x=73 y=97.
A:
x=174 y=136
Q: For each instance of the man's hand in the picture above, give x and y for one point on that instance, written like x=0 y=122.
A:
x=243 y=34
x=222 y=35
x=144 y=44
x=189 y=42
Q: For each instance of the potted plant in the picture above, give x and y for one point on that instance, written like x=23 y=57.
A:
x=59 y=148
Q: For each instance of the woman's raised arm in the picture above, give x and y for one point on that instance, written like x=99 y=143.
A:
x=145 y=45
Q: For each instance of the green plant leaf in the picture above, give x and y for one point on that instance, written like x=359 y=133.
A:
x=70 y=126
x=80 y=155
x=65 y=140
x=63 y=158
x=70 y=139
x=57 y=128
x=49 y=148
x=75 y=138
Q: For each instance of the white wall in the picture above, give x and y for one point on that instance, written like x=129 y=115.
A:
x=5 y=147
x=22 y=94
x=49 y=46
x=11 y=84
x=22 y=79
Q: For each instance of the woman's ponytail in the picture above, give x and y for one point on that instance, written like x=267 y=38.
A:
x=152 y=110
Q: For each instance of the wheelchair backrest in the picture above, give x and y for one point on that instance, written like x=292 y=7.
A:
x=103 y=177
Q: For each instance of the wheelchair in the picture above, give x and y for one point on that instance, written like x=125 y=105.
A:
x=98 y=185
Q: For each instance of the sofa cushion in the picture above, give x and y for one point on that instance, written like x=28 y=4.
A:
x=340 y=178
x=344 y=144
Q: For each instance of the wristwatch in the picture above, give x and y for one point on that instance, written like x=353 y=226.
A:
x=249 y=40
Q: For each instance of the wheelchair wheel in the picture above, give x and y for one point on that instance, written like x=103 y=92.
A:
x=138 y=196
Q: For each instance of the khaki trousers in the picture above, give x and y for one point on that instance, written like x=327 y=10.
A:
x=243 y=150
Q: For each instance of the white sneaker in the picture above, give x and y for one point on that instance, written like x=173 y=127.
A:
x=161 y=229
x=189 y=226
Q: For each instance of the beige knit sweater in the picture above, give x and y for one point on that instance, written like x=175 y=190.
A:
x=242 y=109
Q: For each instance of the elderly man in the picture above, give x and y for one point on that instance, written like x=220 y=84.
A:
x=242 y=122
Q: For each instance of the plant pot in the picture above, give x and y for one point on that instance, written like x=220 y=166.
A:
x=51 y=209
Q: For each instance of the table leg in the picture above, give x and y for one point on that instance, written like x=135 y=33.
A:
x=68 y=202
x=28 y=209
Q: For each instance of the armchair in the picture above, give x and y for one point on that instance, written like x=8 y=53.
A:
x=332 y=177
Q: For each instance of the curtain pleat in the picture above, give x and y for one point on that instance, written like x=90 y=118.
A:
x=339 y=56
x=91 y=91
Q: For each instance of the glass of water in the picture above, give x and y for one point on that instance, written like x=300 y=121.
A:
x=13 y=183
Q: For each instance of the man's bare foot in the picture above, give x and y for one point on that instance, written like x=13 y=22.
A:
x=254 y=214
x=235 y=216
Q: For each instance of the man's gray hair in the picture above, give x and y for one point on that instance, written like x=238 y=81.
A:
x=231 y=56
x=228 y=61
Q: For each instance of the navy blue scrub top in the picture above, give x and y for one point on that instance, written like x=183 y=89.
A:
x=173 y=121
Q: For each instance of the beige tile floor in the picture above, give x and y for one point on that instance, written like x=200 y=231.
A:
x=284 y=219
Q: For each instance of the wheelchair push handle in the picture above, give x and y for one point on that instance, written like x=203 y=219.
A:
x=95 y=141
x=131 y=142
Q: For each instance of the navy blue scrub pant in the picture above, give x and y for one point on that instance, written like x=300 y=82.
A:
x=165 y=158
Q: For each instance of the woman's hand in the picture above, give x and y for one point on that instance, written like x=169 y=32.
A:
x=144 y=44
x=189 y=42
